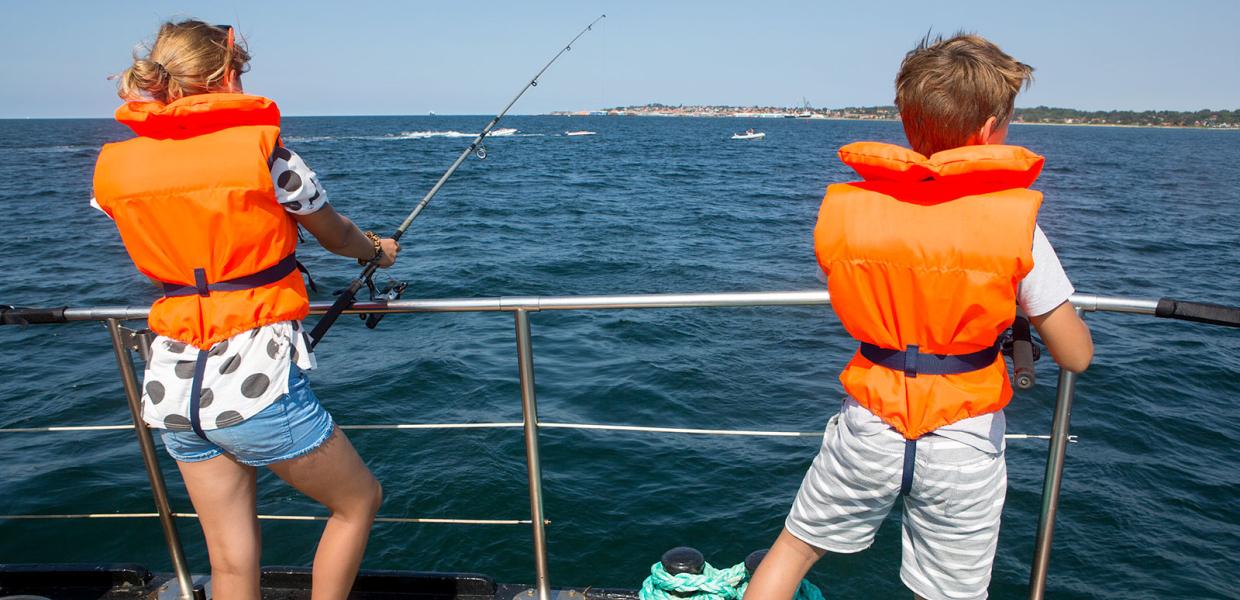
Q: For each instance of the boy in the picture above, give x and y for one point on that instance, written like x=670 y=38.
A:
x=927 y=260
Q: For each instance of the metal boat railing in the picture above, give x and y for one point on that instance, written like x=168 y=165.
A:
x=126 y=341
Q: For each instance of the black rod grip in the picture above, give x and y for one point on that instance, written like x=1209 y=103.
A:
x=10 y=315
x=1200 y=312
x=343 y=301
x=1023 y=375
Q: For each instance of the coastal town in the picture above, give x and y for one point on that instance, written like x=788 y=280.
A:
x=1209 y=119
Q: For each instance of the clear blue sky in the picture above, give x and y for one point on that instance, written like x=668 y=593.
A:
x=470 y=57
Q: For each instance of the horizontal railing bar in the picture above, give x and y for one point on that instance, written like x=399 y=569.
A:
x=549 y=425
x=1090 y=303
x=57 y=429
x=1086 y=302
x=425 y=520
x=737 y=432
x=511 y=425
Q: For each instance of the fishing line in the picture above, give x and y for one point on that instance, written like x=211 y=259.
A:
x=393 y=290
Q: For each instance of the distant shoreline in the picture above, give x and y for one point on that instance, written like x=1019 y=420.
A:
x=1023 y=123
x=1039 y=115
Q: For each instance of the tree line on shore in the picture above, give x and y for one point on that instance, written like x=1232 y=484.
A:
x=1223 y=119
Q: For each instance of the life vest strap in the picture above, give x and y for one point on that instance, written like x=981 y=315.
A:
x=267 y=276
x=910 y=464
x=195 y=394
x=912 y=362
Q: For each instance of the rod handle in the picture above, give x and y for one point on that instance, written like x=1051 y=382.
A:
x=11 y=315
x=1023 y=375
x=343 y=301
x=1200 y=312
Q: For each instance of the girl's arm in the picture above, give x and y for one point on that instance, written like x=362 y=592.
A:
x=339 y=235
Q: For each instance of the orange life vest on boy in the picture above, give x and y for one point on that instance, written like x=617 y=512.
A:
x=925 y=255
x=196 y=208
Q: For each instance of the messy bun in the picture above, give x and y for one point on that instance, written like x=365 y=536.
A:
x=189 y=57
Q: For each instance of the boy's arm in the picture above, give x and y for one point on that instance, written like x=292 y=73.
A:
x=1044 y=295
x=1066 y=336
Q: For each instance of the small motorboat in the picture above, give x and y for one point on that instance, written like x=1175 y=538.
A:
x=749 y=135
x=582 y=132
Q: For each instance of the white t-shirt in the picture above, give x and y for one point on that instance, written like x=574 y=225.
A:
x=1041 y=291
x=249 y=371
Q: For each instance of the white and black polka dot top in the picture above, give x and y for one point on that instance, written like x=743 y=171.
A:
x=249 y=371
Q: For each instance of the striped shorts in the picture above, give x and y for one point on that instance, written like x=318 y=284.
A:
x=951 y=509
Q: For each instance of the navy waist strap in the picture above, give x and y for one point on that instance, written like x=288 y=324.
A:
x=913 y=362
x=267 y=276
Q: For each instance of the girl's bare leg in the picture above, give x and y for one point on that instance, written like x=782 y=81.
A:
x=222 y=491
x=335 y=476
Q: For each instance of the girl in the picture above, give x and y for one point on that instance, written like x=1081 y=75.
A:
x=207 y=202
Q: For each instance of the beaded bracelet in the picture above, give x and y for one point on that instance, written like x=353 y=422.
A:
x=378 y=242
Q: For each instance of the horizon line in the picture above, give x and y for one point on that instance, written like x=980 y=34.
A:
x=563 y=111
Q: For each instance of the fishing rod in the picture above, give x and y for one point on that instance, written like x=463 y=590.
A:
x=393 y=290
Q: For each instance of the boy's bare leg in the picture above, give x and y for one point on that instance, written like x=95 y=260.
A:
x=335 y=476
x=223 y=493
x=783 y=568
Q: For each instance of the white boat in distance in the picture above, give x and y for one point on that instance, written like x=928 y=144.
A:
x=582 y=132
x=749 y=135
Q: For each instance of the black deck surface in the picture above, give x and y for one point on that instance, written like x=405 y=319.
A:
x=135 y=582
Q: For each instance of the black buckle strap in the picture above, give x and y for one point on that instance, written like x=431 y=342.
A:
x=195 y=394
x=267 y=276
x=910 y=464
x=913 y=362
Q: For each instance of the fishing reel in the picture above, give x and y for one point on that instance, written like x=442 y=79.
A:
x=1018 y=344
x=391 y=291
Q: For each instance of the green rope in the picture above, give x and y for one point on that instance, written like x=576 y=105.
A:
x=712 y=584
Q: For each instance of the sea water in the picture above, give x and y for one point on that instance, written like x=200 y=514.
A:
x=645 y=206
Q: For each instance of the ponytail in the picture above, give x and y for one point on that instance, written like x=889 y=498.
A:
x=187 y=58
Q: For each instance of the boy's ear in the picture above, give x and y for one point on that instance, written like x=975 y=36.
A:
x=989 y=127
x=983 y=135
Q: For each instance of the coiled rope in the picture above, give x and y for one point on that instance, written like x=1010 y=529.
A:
x=710 y=584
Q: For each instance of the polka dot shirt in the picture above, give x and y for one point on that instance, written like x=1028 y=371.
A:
x=249 y=371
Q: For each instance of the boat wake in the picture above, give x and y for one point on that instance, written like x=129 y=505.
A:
x=418 y=135
x=411 y=135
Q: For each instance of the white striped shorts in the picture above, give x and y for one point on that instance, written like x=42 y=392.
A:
x=951 y=510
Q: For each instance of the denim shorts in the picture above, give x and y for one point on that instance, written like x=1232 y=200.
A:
x=294 y=425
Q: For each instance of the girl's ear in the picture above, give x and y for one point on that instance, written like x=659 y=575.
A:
x=234 y=83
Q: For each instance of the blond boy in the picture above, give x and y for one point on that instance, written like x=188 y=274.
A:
x=927 y=260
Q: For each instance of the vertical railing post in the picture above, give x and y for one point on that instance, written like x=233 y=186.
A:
x=529 y=411
x=158 y=488
x=1051 y=482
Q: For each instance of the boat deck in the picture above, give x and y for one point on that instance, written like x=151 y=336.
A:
x=135 y=582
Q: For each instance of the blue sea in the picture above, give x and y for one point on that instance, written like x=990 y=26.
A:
x=645 y=206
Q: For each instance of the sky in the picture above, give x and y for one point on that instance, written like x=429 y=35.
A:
x=472 y=56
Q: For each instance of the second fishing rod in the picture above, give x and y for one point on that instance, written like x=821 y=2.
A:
x=348 y=296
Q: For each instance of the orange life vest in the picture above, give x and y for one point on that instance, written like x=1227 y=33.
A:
x=193 y=193
x=928 y=253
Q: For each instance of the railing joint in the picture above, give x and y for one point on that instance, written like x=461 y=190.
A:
x=514 y=303
x=137 y=340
